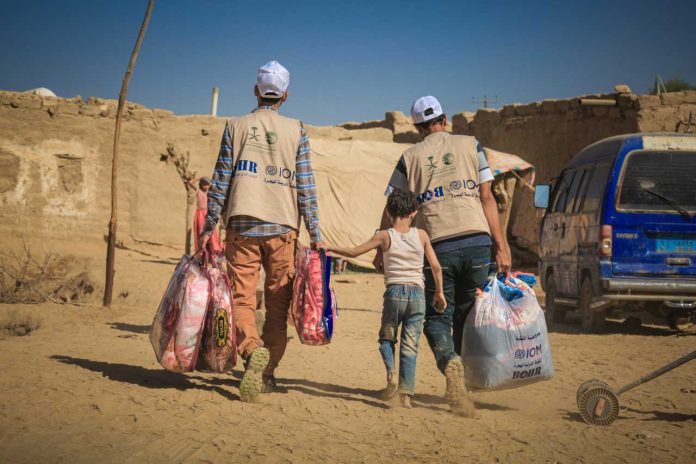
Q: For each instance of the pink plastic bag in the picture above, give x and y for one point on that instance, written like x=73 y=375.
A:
x=313 y=308
x=178 y=325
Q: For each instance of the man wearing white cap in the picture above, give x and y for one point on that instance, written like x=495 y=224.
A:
x=262 y=184
x=451 y=177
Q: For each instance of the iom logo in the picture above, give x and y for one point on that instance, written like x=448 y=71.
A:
x=528 y=353
x=279 y=171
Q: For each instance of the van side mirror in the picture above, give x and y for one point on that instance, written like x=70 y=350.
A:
x=541 y=195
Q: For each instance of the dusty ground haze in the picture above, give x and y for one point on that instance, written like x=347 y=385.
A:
x=85 y=387
x=81 y=383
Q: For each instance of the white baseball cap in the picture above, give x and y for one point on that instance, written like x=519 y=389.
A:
x=425 y=108
x=273 y=80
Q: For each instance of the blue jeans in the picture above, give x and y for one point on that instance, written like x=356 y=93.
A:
x=463 y=271
x=403 y=305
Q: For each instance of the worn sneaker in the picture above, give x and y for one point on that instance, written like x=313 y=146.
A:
x=252 y=382
x=269 y=383
x=392 y=385
x=405 y=401
x=456 y=394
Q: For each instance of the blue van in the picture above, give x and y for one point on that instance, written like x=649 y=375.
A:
x=619 y=230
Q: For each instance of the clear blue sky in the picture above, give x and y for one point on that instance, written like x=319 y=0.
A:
x=349 y=60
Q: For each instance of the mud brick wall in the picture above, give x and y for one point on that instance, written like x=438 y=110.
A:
x=667 y=112
x=55 y=157
x=55 y=169
x=549 y=133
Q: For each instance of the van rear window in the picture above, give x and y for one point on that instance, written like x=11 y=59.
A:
x=658 y=181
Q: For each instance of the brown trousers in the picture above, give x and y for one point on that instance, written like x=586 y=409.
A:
x=245 y=256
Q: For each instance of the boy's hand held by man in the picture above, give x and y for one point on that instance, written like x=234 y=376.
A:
x=440 y=302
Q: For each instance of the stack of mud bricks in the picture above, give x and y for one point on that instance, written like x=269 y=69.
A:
x=76 y=106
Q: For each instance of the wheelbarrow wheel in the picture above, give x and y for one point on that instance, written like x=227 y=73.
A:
x=598 y=403
x=588 y=385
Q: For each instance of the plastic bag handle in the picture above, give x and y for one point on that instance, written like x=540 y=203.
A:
x=208 y=259
x=495 y=291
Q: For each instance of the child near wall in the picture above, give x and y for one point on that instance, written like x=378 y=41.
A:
x=213 y=245
x=403 y=250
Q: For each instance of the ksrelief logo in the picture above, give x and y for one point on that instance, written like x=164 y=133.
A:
x=455 y=185
x=271 y=170
x=432 y=165
x=271 y=137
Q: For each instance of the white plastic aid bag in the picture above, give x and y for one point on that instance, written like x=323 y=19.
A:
x=505 y=343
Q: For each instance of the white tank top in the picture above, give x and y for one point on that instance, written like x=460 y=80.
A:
x=403 y=261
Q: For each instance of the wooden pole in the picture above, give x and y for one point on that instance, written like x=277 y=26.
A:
x=111 y=244
x=214 y=102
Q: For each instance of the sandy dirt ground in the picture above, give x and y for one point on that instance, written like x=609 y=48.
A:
x=85 y=387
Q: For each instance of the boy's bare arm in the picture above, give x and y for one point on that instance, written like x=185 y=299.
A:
x=378 y=240
x=385 y=222
x=383 y=225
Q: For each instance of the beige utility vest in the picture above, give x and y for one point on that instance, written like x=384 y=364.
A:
x=264 y=186
x=443 y=170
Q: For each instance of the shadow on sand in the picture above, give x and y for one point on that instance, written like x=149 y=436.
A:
x=572 y=416
x=148 y=378
x=133 y=328
x=373 y=397
x=158 y=379
x=165 y=261
x=613 y=327
x=664 y=415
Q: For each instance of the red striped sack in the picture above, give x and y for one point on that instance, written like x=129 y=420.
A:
x=314 y=309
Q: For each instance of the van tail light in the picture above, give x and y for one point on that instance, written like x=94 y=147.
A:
x=605 y=241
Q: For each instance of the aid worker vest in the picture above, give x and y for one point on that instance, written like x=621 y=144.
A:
x=264 y=186
x=443 y=170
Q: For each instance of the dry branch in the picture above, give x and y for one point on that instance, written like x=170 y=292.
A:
x=23 y=276
x=180 y=161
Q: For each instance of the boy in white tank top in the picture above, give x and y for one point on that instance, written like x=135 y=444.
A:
x=404 y=300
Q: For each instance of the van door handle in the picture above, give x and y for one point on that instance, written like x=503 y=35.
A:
x=555 y=227
x=563 y=227
x=678 y=261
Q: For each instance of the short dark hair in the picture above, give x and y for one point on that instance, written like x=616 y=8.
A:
x=401 y=203
x=427 y=124
x=269 y=101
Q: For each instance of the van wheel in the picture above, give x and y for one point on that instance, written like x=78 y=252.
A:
x=678 y=321
x=592 y=321
x=554 y=313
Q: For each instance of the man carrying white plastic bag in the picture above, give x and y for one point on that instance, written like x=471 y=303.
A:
x=505 y=341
